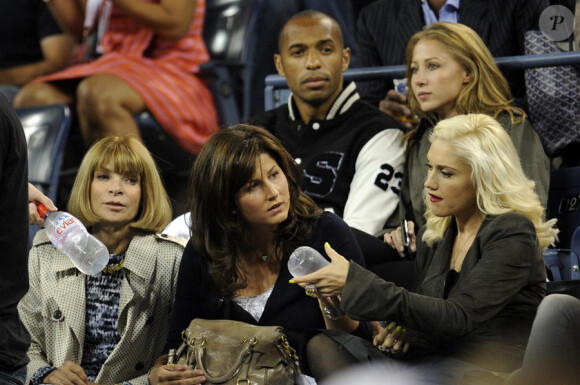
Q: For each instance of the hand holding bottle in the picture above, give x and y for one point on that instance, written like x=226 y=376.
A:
x=305 y=260
x=396 y=104
x=318 y=274
x=35 y=198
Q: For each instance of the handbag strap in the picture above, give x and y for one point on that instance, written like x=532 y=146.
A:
x=244 y=352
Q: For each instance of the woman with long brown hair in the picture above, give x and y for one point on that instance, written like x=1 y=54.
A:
x=247 y=216
x=451 y=72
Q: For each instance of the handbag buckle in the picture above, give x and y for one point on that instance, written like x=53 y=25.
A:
x=194 y=340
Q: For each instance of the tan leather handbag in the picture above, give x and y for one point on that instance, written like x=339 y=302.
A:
x=232 y=352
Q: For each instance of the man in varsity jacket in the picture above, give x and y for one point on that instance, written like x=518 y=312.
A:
x=351 y=153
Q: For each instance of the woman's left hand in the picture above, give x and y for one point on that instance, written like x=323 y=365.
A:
x=330 y=279
x=392 y=341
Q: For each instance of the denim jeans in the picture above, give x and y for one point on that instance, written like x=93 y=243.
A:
x=16 y=377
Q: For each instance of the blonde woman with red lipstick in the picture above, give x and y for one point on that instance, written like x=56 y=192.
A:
x=110 y=327
x=479 y=273
x=450 y=72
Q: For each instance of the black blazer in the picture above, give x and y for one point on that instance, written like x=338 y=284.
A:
x=385 y=27
x=482 y=315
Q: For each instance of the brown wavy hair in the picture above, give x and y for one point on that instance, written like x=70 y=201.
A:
x=224 y=166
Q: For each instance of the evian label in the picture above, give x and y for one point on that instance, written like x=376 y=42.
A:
x=64 y=225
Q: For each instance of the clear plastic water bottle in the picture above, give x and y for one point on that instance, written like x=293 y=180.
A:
x=70 y=236
x=305 y=260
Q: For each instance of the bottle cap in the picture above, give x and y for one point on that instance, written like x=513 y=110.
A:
x=42 y=210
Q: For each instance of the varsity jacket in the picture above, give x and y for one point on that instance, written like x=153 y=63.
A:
x=352 y=160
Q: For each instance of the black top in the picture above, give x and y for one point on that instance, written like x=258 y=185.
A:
x=14 y=339
x=24 y=23
x=288 y=305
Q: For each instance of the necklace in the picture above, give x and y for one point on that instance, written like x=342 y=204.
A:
x=116 y=267
x=265 y=257
x=460 y=251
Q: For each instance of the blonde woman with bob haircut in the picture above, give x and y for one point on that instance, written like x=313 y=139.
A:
x=479 y=271
x=130 y=156
x=450 y=72
x=108 y=328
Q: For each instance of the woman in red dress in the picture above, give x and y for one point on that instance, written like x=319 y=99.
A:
x=150 y=51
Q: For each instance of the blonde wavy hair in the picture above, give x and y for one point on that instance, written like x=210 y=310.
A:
x=487 y=93
x=500 y=184
x=127 y=155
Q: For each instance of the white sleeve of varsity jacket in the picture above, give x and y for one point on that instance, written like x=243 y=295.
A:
x=375 y=187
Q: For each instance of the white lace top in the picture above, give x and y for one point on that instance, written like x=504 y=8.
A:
x=254 y=305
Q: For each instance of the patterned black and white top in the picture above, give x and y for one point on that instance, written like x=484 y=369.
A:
x=102 y=312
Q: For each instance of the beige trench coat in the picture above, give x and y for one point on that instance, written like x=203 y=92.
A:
x=53 y=310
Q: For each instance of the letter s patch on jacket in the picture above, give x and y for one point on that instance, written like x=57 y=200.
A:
x=321 y=173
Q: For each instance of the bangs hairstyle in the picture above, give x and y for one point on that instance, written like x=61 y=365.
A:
x=126 y=156
x=501 y=186
x=225 y=165
x=488 y=92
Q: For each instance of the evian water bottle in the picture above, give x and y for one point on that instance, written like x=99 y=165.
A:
x=305 y=260
x=70 y=236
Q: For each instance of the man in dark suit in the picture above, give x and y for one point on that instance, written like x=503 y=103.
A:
x=384 y=28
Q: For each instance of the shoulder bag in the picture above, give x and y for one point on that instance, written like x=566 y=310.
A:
x=233 y=352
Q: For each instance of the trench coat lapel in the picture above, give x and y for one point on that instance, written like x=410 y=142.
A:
x=139 y=266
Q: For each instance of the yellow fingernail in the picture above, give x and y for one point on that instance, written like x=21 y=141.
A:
x=391 y=326
x=327 y=244
x=399 y=328
x=292 y=281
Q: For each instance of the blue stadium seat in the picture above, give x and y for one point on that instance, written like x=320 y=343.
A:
x=563 y=264
x=564 y=202
x=46 y=129
x=564 y=268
